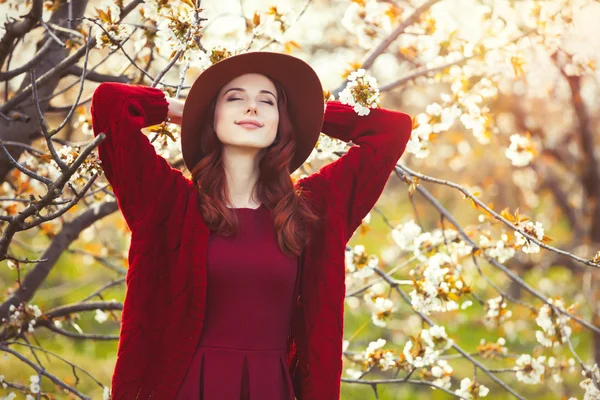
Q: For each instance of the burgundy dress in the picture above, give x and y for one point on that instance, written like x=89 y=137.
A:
x=250 y=284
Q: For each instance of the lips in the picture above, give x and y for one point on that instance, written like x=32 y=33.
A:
x=249 y=123
x=249 y=126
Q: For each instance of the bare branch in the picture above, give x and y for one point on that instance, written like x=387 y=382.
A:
x=496 y=215
x=42 y=371
x=59 y=244
x=17 y=29
x=43 y=52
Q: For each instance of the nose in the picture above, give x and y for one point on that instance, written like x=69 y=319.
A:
x=251 y=109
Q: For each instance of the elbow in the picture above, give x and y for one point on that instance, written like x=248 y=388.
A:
x=108 y=93
x=404 y=127
x=106 y=99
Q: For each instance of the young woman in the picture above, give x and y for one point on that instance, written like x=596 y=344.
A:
x=235 y=286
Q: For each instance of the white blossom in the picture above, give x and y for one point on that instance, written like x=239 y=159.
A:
x=530 y=370
x=106 y=393
x=555 y=330
x=521 y=150
x=100 y=316
x=496 y=312
x=375 y=355
x=405 y=234
x=359 y=86
x=442 y=372
x=591 y=391
x=500 y=250
x=434 y=282
x=536 y=230
x=34 y=385
x=433 y=342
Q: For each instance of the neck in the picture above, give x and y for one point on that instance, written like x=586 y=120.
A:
x=241 y=172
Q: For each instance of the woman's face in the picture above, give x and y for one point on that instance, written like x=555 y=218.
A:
x=248 y=97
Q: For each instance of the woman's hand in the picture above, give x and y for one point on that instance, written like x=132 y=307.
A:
x=175 y=110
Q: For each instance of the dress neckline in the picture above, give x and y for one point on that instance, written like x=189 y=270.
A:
x=248 y=208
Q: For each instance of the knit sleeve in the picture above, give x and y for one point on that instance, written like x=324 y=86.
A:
x=143 y=182
x=354 y=182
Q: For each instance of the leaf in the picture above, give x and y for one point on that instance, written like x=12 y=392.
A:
x=547 y=239
x=104 y=17
x=453 y=296
x=12 y=209
x=48 y=229
x=507 y=215
x=189 y=3
x=474 y=204
x=289 y=45
x=411 y=189
x=364 y=229
x=413 y=185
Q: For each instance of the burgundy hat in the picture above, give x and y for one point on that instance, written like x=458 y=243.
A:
x=301 y=84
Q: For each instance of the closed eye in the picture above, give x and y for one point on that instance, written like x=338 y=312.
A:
x=236 y=98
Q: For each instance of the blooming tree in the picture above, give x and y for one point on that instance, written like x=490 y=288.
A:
x=492 y=227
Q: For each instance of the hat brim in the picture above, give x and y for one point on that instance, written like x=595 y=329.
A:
x=301 y=84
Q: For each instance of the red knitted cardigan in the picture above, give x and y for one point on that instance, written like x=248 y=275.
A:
x=165 y=299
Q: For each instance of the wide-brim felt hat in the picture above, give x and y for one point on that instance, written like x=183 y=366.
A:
x=302 y=86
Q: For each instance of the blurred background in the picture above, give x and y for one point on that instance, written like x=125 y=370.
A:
x=489 y=227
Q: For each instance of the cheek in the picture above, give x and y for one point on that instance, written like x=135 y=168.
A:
x=274 y=118
x=221 y=118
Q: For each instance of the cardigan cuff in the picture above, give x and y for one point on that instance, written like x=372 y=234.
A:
x=339 y=120
x=155 y=104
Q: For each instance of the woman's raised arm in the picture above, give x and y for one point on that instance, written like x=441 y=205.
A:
x=354 y=182
x=143 y=182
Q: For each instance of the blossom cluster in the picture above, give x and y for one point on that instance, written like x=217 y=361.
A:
x=491 y=349
x=496 y=312
x=359 y=263
x=530 y=369
x=442 y=372
x=427 y=346
x=439 y=285
x=409 y=237
x=275 y=23
x=34 y=388
x=361 y=92
x=112 y=32
x=471 y=389
x=22 y=314
x=435 y=120
x=500 y=250
x=87 y=169
x=369 y=21
x=326 y=147
x=591 y=390
x=178 y=31
x=555 y=330
x=405 y=235
x=381 y=307
x=536 y=230
x=521 y=150
x=374 y=356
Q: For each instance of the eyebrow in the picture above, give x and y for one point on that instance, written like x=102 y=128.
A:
x=243 y=90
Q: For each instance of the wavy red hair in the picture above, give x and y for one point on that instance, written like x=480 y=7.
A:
x=292 y=214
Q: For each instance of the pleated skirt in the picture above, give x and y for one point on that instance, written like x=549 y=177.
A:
x=237 y=374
